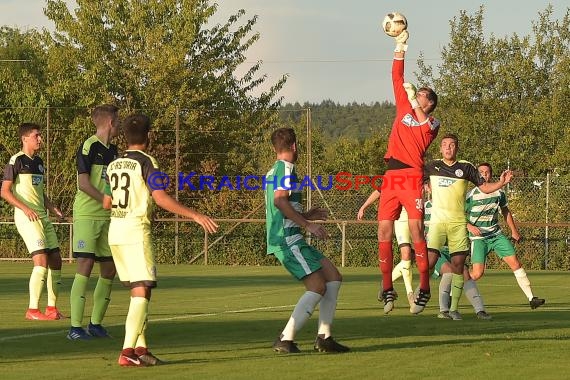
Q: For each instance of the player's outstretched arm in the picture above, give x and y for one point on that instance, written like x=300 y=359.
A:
x=371 y=199
x=489 y=187
x=281 y=201
x=401 y=44
x=168 y=203
x=316 y=213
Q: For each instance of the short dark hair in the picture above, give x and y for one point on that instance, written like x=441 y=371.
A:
x=25 y=129
x=104 y=110
x=282 y=139
x=451 y=136
x=487 y=165
x=431 y=96
x=136 y=128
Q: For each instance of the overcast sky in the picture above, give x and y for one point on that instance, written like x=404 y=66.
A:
x=334 y=49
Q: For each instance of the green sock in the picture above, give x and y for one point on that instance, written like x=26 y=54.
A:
x=136 y=317
x=36 y=286
x=101 y=300
x=456 y=290
x=53 y=283
x=77 y=299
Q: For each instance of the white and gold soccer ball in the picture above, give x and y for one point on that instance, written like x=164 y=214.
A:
x=394 y=23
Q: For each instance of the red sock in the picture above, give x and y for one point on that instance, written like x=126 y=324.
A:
x=423 y=266
x=386 y=258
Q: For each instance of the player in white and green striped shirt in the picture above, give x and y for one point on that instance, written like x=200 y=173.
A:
x=486 y=235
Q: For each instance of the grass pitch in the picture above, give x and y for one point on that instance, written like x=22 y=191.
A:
x=219 y=323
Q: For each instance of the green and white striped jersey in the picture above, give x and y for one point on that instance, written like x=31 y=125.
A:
x=483 y=211
x=281 y=232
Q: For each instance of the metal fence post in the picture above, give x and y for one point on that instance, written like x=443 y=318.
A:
x=205 y=247
x=546 y=231
x=177 y=169
x=343 y=243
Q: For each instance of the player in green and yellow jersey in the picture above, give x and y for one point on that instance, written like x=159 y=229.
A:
x=443 y=271
x=134 y=182
x=486 y=234
x=91 y=224
x=284 y=219
x=23 y=188
x=448 y=179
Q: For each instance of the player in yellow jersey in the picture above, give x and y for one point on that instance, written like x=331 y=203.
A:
x=91 y=224
x=132 y=187
x=23 y=188
x=448 y=179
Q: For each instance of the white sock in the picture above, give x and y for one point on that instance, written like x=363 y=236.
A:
x=327 y=308
x=301 y=314
x=397 y=271
x=524 y=282
x=407 y=275
x=472 y=293
x=445 y=292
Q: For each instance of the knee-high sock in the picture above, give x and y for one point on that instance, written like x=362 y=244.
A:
x=301 y=314
x=445 y=291
x=456 y=290
x=327 y=308
x=136 y=317
x=77 y=299
x=386 y=259
x=472 y=293
x=141 y=340
x=101 y=299
x=422 y=263
x=53 y=284
x=406 y=271
x=524 y=282
x=36 y=285
x=397 y=271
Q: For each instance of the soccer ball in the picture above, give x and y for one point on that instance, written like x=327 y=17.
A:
x=394 y=23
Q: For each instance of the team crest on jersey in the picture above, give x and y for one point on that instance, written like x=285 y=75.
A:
x=41 y=168
x=36 y=179
x=459 y=173
x=445 y=182
x=410 y=121
x=81 y=244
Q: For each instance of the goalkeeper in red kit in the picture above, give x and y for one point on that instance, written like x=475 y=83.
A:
x=412 y=133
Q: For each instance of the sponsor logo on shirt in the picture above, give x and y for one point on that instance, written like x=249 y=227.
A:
x=410 y=121
x=445 y=182
x=36 y=180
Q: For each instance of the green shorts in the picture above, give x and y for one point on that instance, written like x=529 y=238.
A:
x=500 y=244
x=135 y=262
x=300 y=259
x=455 y=234
x=38 y=235
x=402 y=232
x=91 y=239
x=444 y=257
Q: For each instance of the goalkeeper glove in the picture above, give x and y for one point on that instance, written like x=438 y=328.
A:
x=411 y=91
x=401 y=40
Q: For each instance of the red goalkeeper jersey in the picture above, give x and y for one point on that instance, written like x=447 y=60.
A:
x=409 y=138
